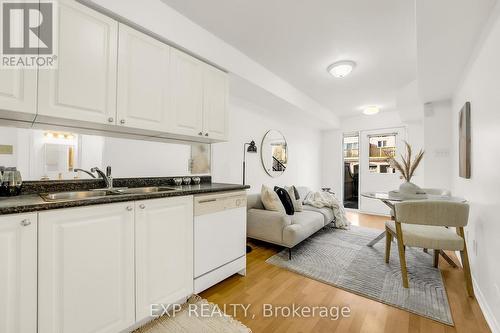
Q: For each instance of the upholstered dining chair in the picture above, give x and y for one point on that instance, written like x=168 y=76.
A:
x=431 y=191
x=420 y=223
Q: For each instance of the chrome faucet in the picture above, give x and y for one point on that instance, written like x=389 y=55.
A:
x=108 y=179
x=83 y=170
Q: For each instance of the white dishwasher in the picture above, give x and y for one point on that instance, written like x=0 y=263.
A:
x=219 y=237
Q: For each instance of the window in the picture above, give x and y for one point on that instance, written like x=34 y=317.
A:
x=381 y=148
x=382 y=143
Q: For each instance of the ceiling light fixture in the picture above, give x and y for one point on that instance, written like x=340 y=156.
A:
x=341 y=69
x=371 y=110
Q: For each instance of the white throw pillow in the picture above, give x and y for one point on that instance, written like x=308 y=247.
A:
x=297 y=203
x=270 y=200
x=303 y=192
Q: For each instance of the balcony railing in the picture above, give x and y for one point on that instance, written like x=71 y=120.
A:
x=351 y=153
x=382 y=152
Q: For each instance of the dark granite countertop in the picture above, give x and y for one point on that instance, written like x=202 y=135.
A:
x=33 y=202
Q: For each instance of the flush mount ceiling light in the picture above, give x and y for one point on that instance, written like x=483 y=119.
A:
x=371 y=110
x=342 y=68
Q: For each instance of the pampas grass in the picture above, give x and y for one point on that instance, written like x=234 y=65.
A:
x=406 y=167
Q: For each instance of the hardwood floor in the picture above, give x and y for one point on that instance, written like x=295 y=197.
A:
x=268 y=284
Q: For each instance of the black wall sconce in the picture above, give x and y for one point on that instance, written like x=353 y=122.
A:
x=252 y=148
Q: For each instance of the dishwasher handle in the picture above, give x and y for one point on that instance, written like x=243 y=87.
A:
x=207 y=200
x=210 y=205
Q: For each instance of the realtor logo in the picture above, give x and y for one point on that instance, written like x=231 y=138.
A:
x=28 y=34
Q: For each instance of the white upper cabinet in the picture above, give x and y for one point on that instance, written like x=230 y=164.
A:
x=18 y=94
x=215 y=94
x=18 y=272
x=109 y=74
x=86 y=269
x=186 y=80
x=83 y=87
x=199 y=98
x=143 y=81
x=164 y=252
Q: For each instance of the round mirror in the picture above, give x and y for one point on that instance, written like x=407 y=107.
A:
x=274 y=153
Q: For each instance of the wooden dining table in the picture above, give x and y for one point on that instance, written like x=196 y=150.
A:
x=391 y=199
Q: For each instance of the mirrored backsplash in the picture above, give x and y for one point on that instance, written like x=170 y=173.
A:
x=56 y=155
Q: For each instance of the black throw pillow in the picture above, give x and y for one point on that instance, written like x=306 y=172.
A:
x=285 y=200
x=297 y=196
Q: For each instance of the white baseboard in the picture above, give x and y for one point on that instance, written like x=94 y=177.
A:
x=488 y=314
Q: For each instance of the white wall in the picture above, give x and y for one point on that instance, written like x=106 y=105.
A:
x=19 y=140
x=247 y=122
x=481 y=86
x=136 y=158
x=437 y=143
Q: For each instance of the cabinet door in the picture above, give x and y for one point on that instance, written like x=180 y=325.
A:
x=18 y=256
x=214 y=103
x=86 y=269
x=83 y=87
x=18 y=94
x=164 y=252
x=186 y=113
x=143 y=91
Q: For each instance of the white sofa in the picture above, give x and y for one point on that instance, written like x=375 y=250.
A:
x=281 y=229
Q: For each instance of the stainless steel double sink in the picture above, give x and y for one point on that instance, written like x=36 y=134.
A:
x=94 y=194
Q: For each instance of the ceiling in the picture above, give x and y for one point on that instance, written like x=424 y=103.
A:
x=448 y=33
x=297 y=40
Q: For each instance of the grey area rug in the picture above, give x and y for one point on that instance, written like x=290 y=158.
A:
x=196 y=316
x=342 y=259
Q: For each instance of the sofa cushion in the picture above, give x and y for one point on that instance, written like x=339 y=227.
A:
x=270 y=200
x=286 y=200
x=326 y=212
x=303 y=192
x=296 y=200
x=267 y=225
x=254 y=201
x=303 y=224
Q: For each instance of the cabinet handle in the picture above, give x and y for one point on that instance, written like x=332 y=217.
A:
x=25 y=223
x=142 y=206
x=129 y=208
x=206 y=134
x=122 y=121
x=111 y=119
x=200 y=133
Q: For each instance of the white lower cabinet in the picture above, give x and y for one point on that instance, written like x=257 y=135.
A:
x=86 y=269
x=18 y=267
x=164 y=252
x=101 y=267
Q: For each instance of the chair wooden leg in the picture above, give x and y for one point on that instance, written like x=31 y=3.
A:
x=436 y=258
x=465 y=263
x=388 y=241
x=402 y=259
